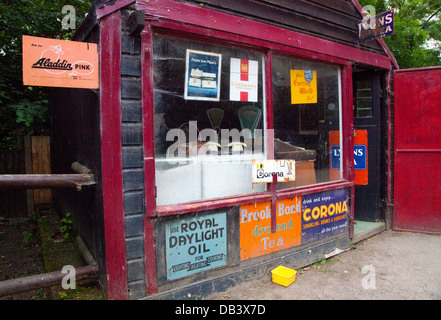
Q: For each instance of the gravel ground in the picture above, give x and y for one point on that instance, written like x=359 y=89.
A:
x=389 y=266
x=20 y=256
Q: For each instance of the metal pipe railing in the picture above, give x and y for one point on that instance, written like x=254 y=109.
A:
x=44 y=280
x=82 y=177
x=38 y=181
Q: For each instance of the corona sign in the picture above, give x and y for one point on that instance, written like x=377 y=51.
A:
x=324 y=214
x=263 y=170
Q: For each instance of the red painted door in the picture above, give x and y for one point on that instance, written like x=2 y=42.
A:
x=417 y=171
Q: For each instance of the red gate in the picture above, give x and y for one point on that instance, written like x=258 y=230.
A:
x=417 y=173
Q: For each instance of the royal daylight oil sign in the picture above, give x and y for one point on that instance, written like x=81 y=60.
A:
x=195 y=244
x=60 y=63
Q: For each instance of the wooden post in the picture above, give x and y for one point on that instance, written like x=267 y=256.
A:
x=28 y=170
x=111 y=159
x=273 y=204
x=79 y=168
x=41 y=164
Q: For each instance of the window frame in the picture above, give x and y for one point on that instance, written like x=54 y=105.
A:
x=179 y=30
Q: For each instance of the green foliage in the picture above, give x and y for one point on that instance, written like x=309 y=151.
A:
x=66 y=226
x=24 y=110
x=379 y=5
x=416 y=22
x=27 y=236
x=28 y=111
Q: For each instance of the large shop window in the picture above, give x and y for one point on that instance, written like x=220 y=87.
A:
x=307 y=122
x=209 y=119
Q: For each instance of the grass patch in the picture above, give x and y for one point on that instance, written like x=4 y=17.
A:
x=59 y=251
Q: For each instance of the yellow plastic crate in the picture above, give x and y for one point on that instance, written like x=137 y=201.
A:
x=283 y=275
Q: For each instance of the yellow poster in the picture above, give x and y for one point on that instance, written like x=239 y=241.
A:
x=303 y=86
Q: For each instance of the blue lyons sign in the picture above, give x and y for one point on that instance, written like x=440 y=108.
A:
x=376 y=27
x=359 y=157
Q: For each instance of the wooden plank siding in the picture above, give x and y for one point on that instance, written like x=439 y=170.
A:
x=334 y=20
x=132 y=158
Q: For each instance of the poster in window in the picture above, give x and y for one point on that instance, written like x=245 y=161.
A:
x=243 y=80
x=303 y=86
x=202 y=75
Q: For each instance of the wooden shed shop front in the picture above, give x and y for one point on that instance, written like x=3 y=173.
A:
x=195 y=98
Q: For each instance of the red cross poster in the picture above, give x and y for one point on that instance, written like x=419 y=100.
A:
x=243 y=80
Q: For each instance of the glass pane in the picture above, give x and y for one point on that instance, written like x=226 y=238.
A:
x=364 y=88
x=364 y=99
x=364 y=108
x=306 y=103
x=209 y=116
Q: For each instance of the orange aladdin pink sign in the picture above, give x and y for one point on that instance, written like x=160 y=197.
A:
x=60 y=63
